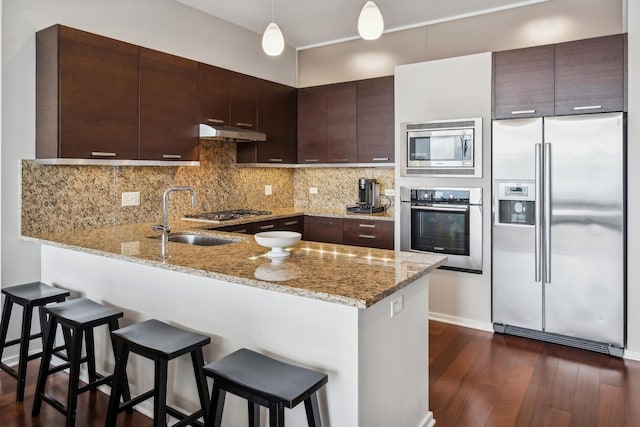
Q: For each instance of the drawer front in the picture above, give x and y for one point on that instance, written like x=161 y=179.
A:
x=323 y=229
x=295 y=223
x=368 y=233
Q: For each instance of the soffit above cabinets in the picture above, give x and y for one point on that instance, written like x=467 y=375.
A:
x=307 y=23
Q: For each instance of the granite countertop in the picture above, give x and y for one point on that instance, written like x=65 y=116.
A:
x=349 y=275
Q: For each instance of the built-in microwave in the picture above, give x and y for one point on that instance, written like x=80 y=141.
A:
x=443 y=147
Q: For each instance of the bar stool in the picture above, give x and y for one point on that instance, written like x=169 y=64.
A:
x=77 y=319
x=29 y=296
x=263 y=381
x=159 y=342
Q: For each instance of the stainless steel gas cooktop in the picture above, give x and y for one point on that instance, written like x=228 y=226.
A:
x=220 y=216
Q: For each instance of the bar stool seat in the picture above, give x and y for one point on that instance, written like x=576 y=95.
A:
x=29 y=296
x=77 y=319
x=159 y=342
x=263 y=381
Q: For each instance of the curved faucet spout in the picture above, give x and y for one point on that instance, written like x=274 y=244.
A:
x=165 y=203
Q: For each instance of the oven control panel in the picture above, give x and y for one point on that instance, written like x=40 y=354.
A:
x=440 y=196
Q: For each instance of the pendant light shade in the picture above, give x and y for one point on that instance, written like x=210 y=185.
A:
x=272 y=40
x=370 y=22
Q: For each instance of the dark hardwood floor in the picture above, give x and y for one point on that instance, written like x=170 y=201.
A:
x=476 y=379
x=483 y=379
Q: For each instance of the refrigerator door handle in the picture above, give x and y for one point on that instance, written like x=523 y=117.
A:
x=538 y=214
x=547 y=212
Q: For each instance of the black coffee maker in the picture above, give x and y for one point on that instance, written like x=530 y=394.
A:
x=368 y=201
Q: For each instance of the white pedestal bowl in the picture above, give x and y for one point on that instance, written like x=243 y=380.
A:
x=277 y=241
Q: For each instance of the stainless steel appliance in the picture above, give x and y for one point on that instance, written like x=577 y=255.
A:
x=444 y=221
x=452 y=147
x=220 y=216
x=558 y=230
x=368 y=200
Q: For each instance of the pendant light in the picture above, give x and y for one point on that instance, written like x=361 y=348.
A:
x=370 y=22
x=272 y=39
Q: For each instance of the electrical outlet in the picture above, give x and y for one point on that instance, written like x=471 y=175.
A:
x=268 y=190
x=389 y=192
x=313 y=190
x=131 y=198
x=130 y=248
x=397 y=304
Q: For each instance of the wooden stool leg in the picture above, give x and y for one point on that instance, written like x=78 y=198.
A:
x=74 y=376
x=254 y=414
x=197 y=358
x=4 y=324
x=217 y=405
x=27 y=313
x=276 y=416
x=91 y=356
x=121 y=352
x=160 y=398
x=313 y=412
x=124 y=381
x=44 y=367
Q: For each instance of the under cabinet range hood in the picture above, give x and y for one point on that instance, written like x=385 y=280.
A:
x=218 y=132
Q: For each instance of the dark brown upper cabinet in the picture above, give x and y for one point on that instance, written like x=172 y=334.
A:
x=312 y=125
x=375 y=120
x=168 y=107
x=584 y=76
x=277 y=109
x=341 y=123
x=213 y=94
x=243 y=100
x=86 y=96
x=590 y=75
x=523 y=83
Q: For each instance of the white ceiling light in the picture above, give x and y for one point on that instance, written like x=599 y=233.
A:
x=272 y=39
x=370 y=22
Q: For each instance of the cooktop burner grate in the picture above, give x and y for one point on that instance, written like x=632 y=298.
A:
x=226 y=215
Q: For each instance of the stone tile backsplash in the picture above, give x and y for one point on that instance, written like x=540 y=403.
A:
x=60 y=198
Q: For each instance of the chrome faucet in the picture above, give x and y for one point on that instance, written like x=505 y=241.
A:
x=164 y=225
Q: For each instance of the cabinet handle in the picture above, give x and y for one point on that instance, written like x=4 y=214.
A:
x=275 y=160
x=291 y=223
x=380 y=159
x=311 y=160
x=340 y=160
x=366 y=236
x=218 y=121
x=245 y=125
x=367 y=225
x=266 y=227
x=102 y=154
x=588 y=107
x=244 y=230
x=171 y=156
x=523 y=112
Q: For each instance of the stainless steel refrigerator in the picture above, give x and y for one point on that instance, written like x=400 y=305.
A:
x=559 y=230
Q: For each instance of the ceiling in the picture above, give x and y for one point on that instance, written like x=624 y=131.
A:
x=309 y=23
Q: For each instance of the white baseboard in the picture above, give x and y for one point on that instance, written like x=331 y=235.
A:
x=461 y=321
x=632 y=355
x=428 y=421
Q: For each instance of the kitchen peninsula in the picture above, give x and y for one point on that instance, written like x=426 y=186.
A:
x=358 y=314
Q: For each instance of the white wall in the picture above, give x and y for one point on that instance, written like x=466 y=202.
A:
x=453 y=88
x=163 y=25
x=633 y=181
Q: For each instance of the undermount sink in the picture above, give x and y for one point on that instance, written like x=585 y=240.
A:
x=197 y=239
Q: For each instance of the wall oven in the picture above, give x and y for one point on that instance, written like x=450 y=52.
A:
x=443 y=147
x=446 y=221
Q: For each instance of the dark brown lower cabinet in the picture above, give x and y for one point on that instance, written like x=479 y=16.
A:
x=368 y=233
x=323 y=229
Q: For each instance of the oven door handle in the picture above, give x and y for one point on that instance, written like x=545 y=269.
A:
x=456 y=208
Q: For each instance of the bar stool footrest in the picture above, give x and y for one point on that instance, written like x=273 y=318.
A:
x=55 y=403
x=129 y=404
x=92 y=386
x=19 y=340
x=185 y=419
x=9 y=370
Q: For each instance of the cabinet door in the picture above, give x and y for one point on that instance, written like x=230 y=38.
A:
x=168 y=107
x=213 y=94
x=295 y=223
x=312 y=125
x=589 y=75
x=277 y=119
x=368 y=233
x=341 y=123
x=323 y=229
x=86 y=96
x=243 y=100
x=375 y=120
x=523 y=82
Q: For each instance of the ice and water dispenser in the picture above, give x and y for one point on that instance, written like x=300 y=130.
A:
x=515 y=203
